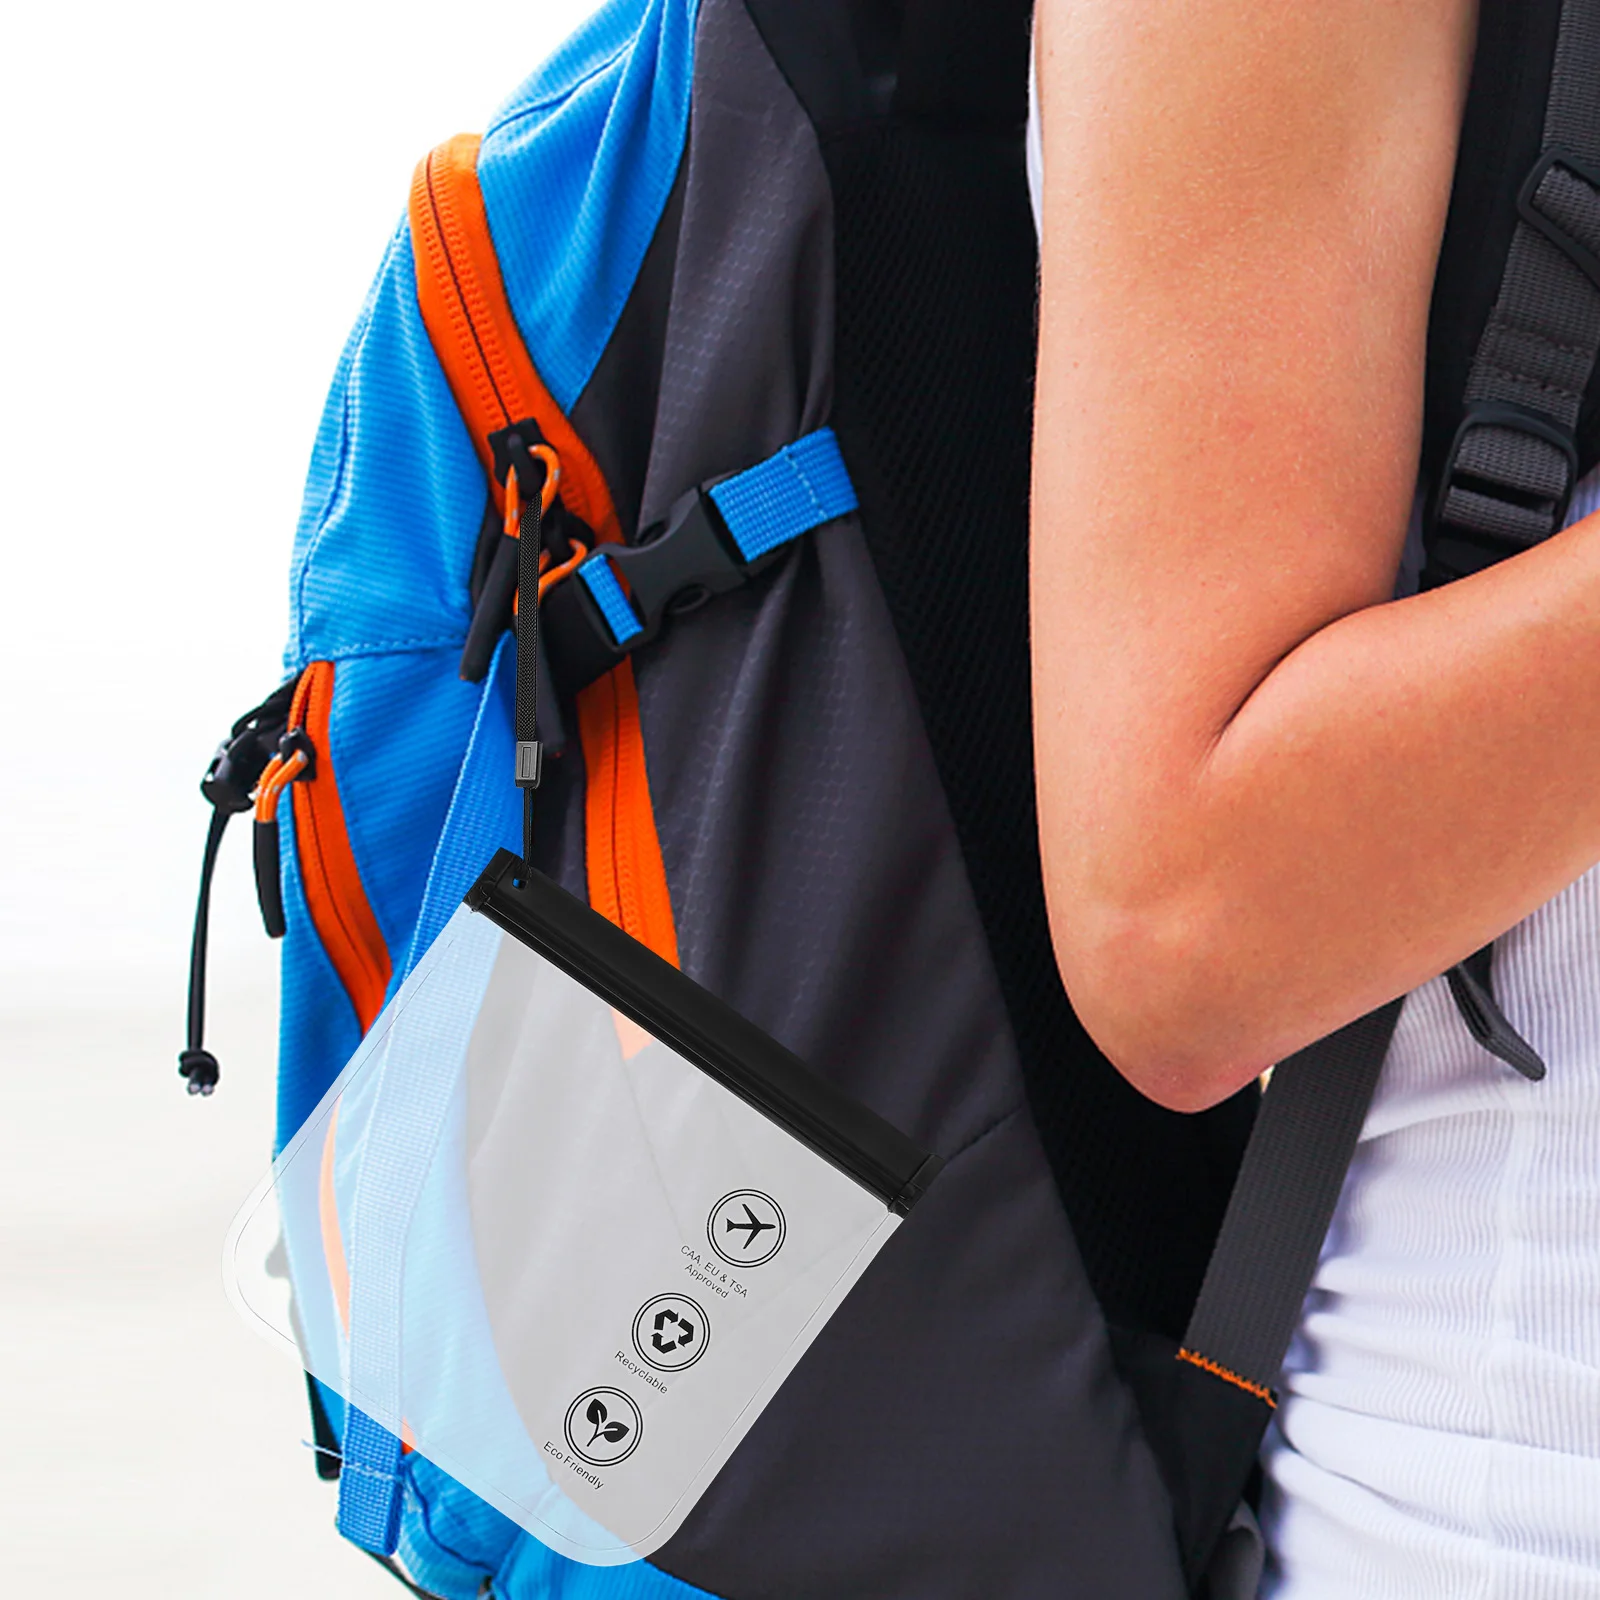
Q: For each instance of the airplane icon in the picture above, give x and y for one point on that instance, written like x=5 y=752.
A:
x=762 y=1216
x=752 y=1229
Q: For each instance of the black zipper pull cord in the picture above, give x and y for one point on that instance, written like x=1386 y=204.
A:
x=1470 y=986
x=495 y=584
x=234 y=771
x=530 y=480
x=196 y=1063
x=295 y=761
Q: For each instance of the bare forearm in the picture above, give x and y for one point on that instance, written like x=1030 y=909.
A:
x=1407 y=783
x=1269 y=799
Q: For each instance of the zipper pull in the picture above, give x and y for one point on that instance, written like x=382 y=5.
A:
x=294 y=761
x=1486 y=1022
x=234 y=772
x=494 y=584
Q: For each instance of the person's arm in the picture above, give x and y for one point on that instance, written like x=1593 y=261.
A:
x=1270 y=799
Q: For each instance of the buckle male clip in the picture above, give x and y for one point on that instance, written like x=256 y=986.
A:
x=622 y=595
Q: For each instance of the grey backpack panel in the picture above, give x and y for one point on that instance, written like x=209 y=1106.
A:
x=958 y=1429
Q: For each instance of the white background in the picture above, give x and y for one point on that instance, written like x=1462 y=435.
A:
x=195 y=197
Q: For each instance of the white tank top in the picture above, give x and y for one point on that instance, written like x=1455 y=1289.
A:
x=1439 y=1433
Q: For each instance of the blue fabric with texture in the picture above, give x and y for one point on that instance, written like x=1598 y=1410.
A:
x=576 y=169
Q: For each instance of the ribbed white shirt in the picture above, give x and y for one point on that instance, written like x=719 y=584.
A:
x=1439 y=1436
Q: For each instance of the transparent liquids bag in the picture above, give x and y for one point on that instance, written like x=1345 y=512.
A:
x=565 y=1223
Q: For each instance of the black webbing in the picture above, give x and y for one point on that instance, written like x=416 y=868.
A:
x=1288 y=1185
x=1515 y=462
x=965 y=66
x=1544 y=333
x=1472 y=989
x=529 y=753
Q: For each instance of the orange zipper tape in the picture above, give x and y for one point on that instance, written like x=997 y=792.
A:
x=469 y=319
x=463 y=302
x=334 y=893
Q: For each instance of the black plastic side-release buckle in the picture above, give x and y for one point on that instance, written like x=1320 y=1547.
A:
x=674 y=568
x=1504 y=488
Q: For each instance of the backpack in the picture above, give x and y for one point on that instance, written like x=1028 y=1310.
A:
x=762 y=274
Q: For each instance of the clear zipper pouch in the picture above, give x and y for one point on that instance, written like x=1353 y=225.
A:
x=566 y=1222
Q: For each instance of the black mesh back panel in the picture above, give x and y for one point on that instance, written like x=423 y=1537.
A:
x=936 y=304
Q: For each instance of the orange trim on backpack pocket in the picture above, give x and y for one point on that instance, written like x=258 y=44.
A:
x=475 y=335
x=627 y=882
x=335 y=897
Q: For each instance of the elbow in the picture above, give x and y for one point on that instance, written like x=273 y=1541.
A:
x=1150 y=988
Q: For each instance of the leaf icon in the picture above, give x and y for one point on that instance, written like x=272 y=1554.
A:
x=616 y=1431
x=597 y=1411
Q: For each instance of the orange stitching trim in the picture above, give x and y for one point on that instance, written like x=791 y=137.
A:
x=1217 y=1370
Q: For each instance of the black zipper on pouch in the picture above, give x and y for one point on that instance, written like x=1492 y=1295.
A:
x=706 y=1032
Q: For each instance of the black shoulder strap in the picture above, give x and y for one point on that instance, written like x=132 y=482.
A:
x=1504 y=429
x=1207 y=1403
x=965 y=65
x=1513 y=341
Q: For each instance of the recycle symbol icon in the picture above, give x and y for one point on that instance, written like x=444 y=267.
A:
x=671 y=1332
x=667 y=1318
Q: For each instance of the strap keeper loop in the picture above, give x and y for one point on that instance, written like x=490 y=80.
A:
x=1560 y=198
x=1505 y=487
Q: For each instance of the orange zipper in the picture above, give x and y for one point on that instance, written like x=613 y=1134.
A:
x=474 y=332
x=475 y=335
x=335 y=897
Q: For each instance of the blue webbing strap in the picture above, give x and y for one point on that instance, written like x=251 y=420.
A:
x=614 y=606
x=370 y=1490
x=801 y=487
x=483 y=813
x=423 y=1055
x=804 y=485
